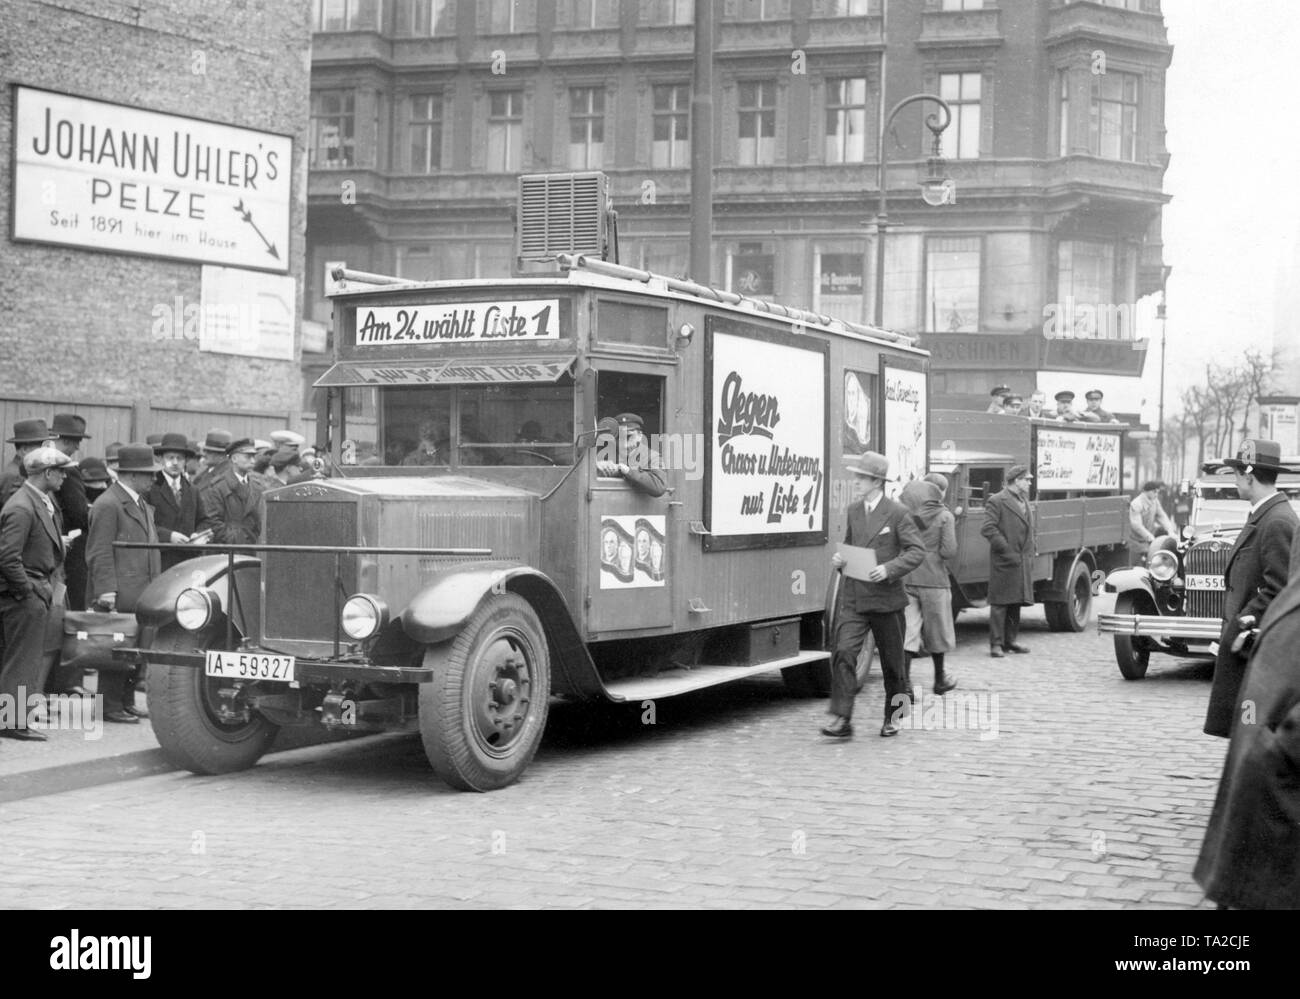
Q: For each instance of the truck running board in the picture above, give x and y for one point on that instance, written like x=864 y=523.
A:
x=680 y=681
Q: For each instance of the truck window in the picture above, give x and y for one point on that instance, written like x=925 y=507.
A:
x=510 y=424
x=623 y=392
x=984 y=482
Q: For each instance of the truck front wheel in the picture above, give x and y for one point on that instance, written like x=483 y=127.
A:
x=482 y=716
x=183 y=710
x=1131 y=651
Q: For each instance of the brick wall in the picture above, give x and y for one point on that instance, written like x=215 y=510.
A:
x=80 y=322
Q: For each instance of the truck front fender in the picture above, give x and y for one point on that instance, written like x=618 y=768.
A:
x=437 y=613
x=157 y=605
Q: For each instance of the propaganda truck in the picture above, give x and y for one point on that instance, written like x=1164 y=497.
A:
x=1076 y=494
x=460 y=559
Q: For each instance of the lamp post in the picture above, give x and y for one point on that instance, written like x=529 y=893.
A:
x=1160 y=422
x=936 y=189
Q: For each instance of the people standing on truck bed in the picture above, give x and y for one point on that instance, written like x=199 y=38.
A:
x=1093 y=413
x=1038 y=407
x=1146 y=520
x=1009 y=525
x=1012 y=405
x=999 y=394
x=876 y=603
x=622 y=452
x=928 y=618
x=1256 y=571
x=1065 y=411
x=230 y=502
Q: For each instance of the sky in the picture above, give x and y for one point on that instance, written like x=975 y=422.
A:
x=1232 y=111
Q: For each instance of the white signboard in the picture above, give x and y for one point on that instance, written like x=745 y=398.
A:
x=109 y=177
x=1280 y=425
x=904 y=434
x=633 y=552
x=768 y=441
x=460 y=322
x=1077 y=459
x=247 y=313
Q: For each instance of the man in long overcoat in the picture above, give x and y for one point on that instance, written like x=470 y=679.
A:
x=1256 y=571
x=118 y=576
x=231 y=501
x=1009 y=525
x=175 y=502
x=1251 y=855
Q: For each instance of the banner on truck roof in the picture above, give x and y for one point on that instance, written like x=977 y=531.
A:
x=459 y=322
x=766 y=429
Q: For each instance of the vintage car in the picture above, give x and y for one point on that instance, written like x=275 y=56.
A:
x=1174 y=603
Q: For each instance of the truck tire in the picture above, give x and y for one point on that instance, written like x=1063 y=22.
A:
x=182 y=710
x=1075 y=611
x=1131 y=652
x=482 y=716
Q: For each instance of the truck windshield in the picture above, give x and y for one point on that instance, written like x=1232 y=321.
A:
x=512 y=424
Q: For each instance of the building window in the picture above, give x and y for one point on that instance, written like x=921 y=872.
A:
x=586 y=128
x=1112 y=131
x=425 y=18
x=763 y=10
x=426 y=132
x=848 y=8
x=502 y=17
x=672 y=123
x=333 y=115
x=846 y=120
x=1085 y=289
x=667 y=12
x=840 y=286
x=961 y=139
x=1063 y=88
x=505 y=153
x=668 y=259
x=593 y=14
x=345 y=15
x=963 y=4
x=952 y=284
x=757 y=124
x=751 y=270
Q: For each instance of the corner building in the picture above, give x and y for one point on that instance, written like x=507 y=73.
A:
x=424 y=112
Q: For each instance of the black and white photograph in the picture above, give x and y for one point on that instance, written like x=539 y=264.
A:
x=436 y=434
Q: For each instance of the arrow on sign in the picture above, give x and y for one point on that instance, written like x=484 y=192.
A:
x=248 y=217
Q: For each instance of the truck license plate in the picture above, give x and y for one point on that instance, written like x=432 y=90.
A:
x=250 y=666
x=1205 y=582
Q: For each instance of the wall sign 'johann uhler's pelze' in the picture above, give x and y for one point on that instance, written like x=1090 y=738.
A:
x=108 y=177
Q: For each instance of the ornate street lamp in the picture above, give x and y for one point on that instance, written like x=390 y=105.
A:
x=936 y=188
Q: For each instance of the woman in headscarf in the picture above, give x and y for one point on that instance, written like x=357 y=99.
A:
x=929 y=596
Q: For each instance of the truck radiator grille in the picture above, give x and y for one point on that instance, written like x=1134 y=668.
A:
x=1201 y=560
x=300 y=586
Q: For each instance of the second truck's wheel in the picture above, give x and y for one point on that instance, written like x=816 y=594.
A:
x=1075 y=611
x=482 y=716
x=183 y=711
x=1131 y=652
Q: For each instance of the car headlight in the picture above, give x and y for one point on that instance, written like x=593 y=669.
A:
x=196 y=608
x=364 y=616
x=1163 y=565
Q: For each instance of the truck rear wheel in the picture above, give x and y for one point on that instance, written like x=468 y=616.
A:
x=1131 y=652
x=183 y=712
x=482 y=716
x=1075 y=611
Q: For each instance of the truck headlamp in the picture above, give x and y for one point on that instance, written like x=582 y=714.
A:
x=364 y=616
x=196 y=608
x=1163 y=565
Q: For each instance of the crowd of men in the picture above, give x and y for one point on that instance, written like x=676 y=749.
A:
x=1003 y=400
x=60 y=517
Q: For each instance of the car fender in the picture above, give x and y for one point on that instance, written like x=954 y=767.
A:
x=1135 y=578
x=436 y=614
x=157 y=604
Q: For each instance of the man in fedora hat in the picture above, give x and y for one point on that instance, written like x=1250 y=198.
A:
x=28 y=436
x=1256 y=571
x=877 y=603
x=174 y=500
x=1011 y=529
x=231 y=501
x=69 y=430
x=31 y=560
x=214 y=457
x=119 y=575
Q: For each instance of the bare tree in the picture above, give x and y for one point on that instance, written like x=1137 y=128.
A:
x=1258 y=371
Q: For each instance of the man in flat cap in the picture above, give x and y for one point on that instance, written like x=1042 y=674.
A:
x=174 y=500
x=118 y=576
x=633 y=460
x=876 y=603
x=69 y=430
x=31 y=562
x=28 y=436
x=998 y=402
x=1065 y=407
x=1256 y=571
x=1009 y=525
x=232 y=501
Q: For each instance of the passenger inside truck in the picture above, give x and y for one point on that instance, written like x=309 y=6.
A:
x=984 y=482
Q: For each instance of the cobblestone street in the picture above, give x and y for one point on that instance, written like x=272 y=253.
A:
x=1068 y=787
